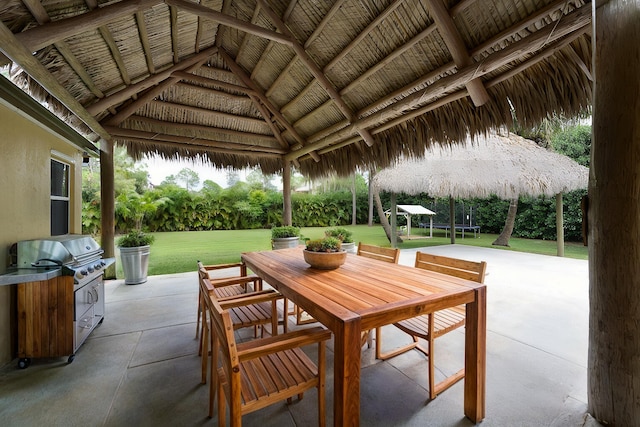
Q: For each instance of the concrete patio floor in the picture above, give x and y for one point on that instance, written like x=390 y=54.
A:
x=141 y=366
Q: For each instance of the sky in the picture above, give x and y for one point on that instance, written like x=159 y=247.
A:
x=159 y=169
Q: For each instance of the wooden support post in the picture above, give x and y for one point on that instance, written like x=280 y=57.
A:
x=614 y=203
x=452 y=219
x=286 y=194
x=394 y=221
x=107 y=206
x=559 y=225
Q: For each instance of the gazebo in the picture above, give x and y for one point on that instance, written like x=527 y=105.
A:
x=407 y=211
x=505 y=165
x=327 y=87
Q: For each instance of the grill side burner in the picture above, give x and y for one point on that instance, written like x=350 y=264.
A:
x=73 y=302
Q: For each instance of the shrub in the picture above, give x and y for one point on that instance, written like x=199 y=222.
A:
x=285 y=231
x=134 y=239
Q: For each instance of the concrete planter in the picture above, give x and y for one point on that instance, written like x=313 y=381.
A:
x=349 y=247
x=135 y=264
x=285 y=242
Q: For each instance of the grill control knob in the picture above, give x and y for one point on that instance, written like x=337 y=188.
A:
x=90 y=268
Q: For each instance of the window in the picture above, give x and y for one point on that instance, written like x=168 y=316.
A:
x=59 y=198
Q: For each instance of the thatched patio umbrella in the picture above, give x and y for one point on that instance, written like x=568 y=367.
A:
x=505 y=165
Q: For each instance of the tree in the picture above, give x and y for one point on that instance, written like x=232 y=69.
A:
x=233 y=177
x=505 y=235
x=189 y=177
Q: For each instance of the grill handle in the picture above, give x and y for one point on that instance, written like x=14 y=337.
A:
x=54 y=261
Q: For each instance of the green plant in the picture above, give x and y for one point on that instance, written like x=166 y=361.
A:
x=326 y=244
x=341 y=233
x=285 y=231
x=134 y=239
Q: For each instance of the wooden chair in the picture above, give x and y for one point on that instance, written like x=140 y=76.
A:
x=259 y=373
x=251 y=309
x=378 y=252
x=433 y=325
x=224 y=287
x=228 y=285
x=381 y=254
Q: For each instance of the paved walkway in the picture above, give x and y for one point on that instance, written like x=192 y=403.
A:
x=140 y=367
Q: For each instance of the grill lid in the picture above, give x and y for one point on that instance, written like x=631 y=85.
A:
x=69 y=250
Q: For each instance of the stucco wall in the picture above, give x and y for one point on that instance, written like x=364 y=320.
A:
x=25 y=156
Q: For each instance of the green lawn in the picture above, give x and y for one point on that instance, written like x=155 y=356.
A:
x=178 y=252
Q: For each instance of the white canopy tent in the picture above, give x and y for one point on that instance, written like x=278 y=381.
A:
x=408 y=210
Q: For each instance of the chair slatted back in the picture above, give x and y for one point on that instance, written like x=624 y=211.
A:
x=378 y=252
x=469 y=270
x=225 y=342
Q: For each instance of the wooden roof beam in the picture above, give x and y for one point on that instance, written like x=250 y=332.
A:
x=268 y=139
x=45 y=35
x=203 y=147
x=219 y=83
x=144 y=40
x=555 y=37
x=173 y=20
x=199 y=110
x=153 y=136
x=134 y=89
x=458 y=50
x=230 y=21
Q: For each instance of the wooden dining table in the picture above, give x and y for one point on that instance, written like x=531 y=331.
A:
x=363 y=294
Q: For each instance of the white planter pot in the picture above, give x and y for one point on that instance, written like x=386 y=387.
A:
x=135 y=264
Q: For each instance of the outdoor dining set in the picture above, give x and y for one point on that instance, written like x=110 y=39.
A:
x=349 y=305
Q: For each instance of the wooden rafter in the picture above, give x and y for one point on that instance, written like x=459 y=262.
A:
x=435 y=74
x=259 y=94
x=42 y=17
x=256 y=138
x=144 y=40
x=230 y=21
x=257 y=98
x=204 y=147
x=16 y=51
x=458 y=50
x=210 y=113
x=44 y=35
x=173 y=13
x=134 y=89
x=573 y=24
x=344 y=52
x=147 y=96
x=316 y=71
x=208 y=81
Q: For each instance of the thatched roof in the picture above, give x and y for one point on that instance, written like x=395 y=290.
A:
x=507 y=166
x=327 y=85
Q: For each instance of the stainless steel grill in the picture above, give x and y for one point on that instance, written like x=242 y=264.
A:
x=73 y=255
x=78 y=255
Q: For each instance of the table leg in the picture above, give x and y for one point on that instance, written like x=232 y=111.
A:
x=475 y=356
x=346 y=371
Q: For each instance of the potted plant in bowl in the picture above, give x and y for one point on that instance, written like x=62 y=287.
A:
x=345 y=236
x=325 y=253
x=285 y=236
x=134 y=254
